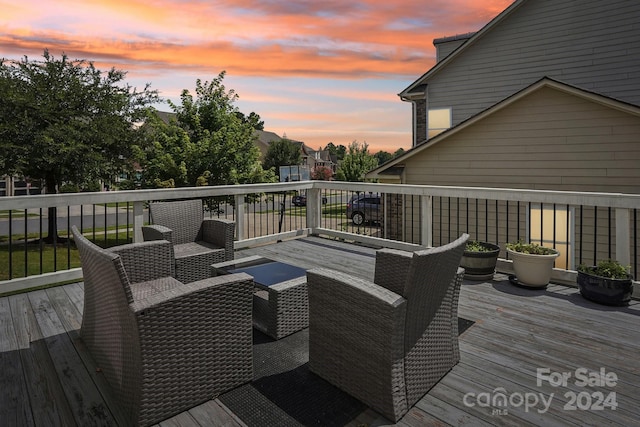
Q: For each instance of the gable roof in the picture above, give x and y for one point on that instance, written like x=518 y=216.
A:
x=417 y=87
x=394 y=167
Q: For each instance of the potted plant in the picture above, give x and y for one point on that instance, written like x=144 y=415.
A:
x=532 y=263
x=479 y=260
x=608 y=282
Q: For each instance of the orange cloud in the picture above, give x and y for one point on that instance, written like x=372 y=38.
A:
x=268 y=41
x=316 y=39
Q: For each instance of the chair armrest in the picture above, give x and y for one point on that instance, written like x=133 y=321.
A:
x=237 y=283
x=220 y=232
x=157 y=232
x=392 y=268
x=146 y=260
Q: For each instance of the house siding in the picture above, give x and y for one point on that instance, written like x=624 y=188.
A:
x=548 y=140
x=594 y=45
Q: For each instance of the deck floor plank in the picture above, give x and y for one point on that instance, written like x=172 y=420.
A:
x=14 y=408
x=44 y=390
x=46 y=366
x=88 y=405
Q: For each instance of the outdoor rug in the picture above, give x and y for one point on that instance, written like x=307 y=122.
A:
x=285 y=393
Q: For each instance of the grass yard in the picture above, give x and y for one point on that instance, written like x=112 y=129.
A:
x=53 y=258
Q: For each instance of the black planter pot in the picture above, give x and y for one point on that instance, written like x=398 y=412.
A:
x=480 y=265
x=603 y=290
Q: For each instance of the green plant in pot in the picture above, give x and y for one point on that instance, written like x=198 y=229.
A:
x=479 y=260
x=532 y=263
x=608 y=282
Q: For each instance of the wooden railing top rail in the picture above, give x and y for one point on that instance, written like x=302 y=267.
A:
x=613 y=200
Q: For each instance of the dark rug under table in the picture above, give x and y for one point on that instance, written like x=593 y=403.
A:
x=285 y=393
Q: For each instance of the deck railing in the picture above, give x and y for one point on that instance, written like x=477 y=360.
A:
x=586 y=227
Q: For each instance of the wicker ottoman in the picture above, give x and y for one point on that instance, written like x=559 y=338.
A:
x=280 y=301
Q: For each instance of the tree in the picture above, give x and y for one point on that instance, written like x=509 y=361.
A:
x=356 y=163
x=163 y=158
x=322 y=173
x=64 y=120
x=383 y=156
x=253 y=119
x=282 y=153
x=398 y=152
x=338 y=151
x=208 y=143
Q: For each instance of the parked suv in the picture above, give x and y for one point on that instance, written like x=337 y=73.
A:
x=364 y=207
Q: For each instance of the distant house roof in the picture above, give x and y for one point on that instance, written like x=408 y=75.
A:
x=267 y=137
x=395 y=166
x=165 y=116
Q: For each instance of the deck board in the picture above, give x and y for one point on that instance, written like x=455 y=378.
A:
x=48 y=376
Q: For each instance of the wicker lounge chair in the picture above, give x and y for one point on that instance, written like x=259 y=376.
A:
x=387 y=343
x=197 y=242
x=163 y=346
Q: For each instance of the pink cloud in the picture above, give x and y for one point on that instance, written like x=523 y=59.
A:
x=369 y=40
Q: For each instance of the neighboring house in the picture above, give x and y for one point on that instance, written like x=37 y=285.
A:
x=546 y=96
x=310 y=157
x=263 y=140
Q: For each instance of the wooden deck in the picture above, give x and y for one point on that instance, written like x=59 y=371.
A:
x=48 y=377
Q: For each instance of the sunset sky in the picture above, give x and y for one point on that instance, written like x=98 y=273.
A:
x=317 y=71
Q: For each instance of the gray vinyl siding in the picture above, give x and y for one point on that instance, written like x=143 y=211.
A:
x=444 y=49
x=548 y=140
x=594 y=45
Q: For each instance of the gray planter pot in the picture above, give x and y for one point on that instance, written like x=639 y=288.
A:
x=480 y=265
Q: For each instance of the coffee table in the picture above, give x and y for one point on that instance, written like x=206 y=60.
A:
x=280 y=302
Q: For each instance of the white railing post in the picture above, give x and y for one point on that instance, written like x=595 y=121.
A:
x=240 y=216
x=623 y=242
x=138 y=221
x=314 y=206
x=426 y=223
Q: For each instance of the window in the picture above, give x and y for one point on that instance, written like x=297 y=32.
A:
x=438 y=121
x=548 y=223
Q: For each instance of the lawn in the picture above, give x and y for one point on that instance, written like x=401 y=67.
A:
x=53 y=258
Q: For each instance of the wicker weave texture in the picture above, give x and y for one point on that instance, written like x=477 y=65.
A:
x=387 y=345
x=163 y=346
x=282 y=309
x=198 y=242
x=279 y=310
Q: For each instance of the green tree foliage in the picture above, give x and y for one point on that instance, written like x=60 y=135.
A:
x=383 y=156
x=337 y=150
x=164 y=158
x=398 y=152
x=356 y=163
x=208 y=143
x=64 y=120
x=282 y=153
x=253 y=119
